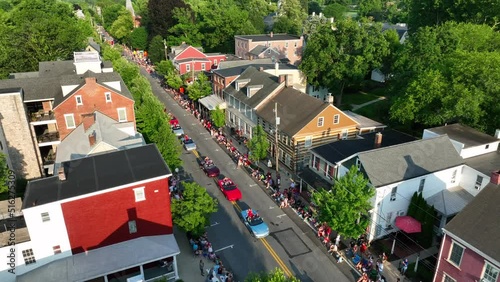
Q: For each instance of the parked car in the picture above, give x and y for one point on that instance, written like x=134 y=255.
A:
x=174 y=121
x=188 y=143
x=178 y=131
x=255 y=223
x=228 y=188
x=208 y=167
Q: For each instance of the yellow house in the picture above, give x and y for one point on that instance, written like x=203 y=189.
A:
x=304 y=123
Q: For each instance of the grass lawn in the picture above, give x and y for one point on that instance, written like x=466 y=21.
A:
x=358 y=98
x=377 y=111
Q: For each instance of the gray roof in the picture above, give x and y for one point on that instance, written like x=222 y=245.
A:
x=450 y=201
x=339 y=150
x=97 y=173
x=477 y=224
x=227 y=72
x=94 y=45
x=486 y=163
x=101 y=78
x=401 y=29
x=468 y=136
x=296 y=109
x=56 y=68
x=268 y=81
x=258 y=50
x=409 y=160
x=107 y=131
x=34 y=88
x=105 y=260
x=364 y=122
x=192 y=60
x=267 y=37
x=239 y=63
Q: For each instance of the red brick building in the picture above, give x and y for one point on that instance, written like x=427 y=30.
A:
x=187 y=58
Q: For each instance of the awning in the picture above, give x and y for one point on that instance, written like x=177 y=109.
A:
x=212 y=101
x=408 y=224
x=105 y=260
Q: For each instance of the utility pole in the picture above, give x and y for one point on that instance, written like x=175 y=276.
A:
x=166 y=52
x=276 y=151
x=192 y=70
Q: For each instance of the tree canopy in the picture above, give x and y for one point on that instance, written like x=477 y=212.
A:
x=156 y=49
x=4 y=174
x=161 y=18
x=343 y=53
x=218 y=117
x=345 y=208
x=200 y=88
x=193 y=211
x=277 y=275
x=291 y=16
x=138 y=39
x=259 y=144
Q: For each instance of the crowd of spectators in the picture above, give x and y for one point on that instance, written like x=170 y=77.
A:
x=203 y=249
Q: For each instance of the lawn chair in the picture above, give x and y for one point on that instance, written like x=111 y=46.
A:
x=356 y=259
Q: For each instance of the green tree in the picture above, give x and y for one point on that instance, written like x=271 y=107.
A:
x=161 y=16
x=40 y=30
x=345 y=208
x=336 y=11
x=122 y=26
x=165 y=67
x=168 y=145
x=192 y=213
x=218 y=117
x=200 y=88
x=259 y=144
x=139 y=38
x=156 y=50
x=291 y=16
x=371 y=8
x=257 y=10
x=314 y=7
x=343 y=54
x=277 y=275
x=186 y=29
x=110 y=53
x=4 y=173
x=174 y=80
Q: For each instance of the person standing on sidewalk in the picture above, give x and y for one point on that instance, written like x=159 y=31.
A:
x=202 y=267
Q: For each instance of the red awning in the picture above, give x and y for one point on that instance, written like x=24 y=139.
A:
x=408 y=224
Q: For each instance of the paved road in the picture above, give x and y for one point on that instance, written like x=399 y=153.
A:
x=287 y=247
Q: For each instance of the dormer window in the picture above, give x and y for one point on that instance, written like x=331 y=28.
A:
x=240 y=83
x=108 y=97
x=252 y=89
x=79 y=100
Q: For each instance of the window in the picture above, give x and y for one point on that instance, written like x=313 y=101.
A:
x=139 y=194
x=188 y=67
x=308 y=141
x=320 y=121
x=447 y=278
x=132 y=227
x=215 y=62
x=345 y=134
x=487 y=146
x=286 y=44
x=421 y=185
x=316 y=163
x=456 y=254
x=70 y=121
x=203 y=66
x=45 y=216
x=288 y=159
x=79 y=101
x=295 y=44
x=122 y=114
x=490 y=273
x=56 y=249
x=325 y=169
x=393 y=193
x=388 y=219
x=108 y=97
x=454 y=176
x=269 y=51
x=479 y=182
x=331 y=171
x=28 y=256
x=336 y=119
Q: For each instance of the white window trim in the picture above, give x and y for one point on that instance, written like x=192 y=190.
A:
x=45 y=218
x=449 y=254
x=202 y=66
x=106 y=95
x=139 y=199
x=66 y=120
x=447 y=275
x=188 y=67
x=486 y=263
x=337 y=116
x=305 y=141
x=322 y=121
x=395 y=189
x=125 y=111
x=79 y=97
x=215 y=61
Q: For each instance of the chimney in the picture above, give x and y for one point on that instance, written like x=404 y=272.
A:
x=271 y=34
x=329 y=98
x=92 y=139
x=261 y=69
x=314 y=14
x=497 y=134
x=378 y=140
x=495 y=177
x=281 y=78
x=61 y=174
x=89 y=80
x=88 y=121
x=276 y=68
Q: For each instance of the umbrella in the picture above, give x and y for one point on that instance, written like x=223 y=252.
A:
x=408 y=224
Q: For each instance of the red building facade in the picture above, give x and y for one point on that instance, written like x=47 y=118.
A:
x=191 y=59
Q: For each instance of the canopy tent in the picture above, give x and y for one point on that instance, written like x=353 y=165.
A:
x=408 y=224
x=212 y=101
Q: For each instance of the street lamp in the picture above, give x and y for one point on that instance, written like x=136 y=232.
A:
x=277 y=122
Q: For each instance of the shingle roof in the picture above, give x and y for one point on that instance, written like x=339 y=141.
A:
x=296 y=109
x=468 y=136
x=450 y=201
x=227 y=72
x=409 y=160
x=477 y=224
x=239 y=63
x=97 y=173
x=192 y=60
x=268 y=81
x=336 y=151
x=36 y=88
x=267 y=37
x=258 y=50
x=76 y=145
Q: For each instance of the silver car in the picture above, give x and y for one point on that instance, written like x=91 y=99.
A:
x=178 y=131
x=189 y=144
